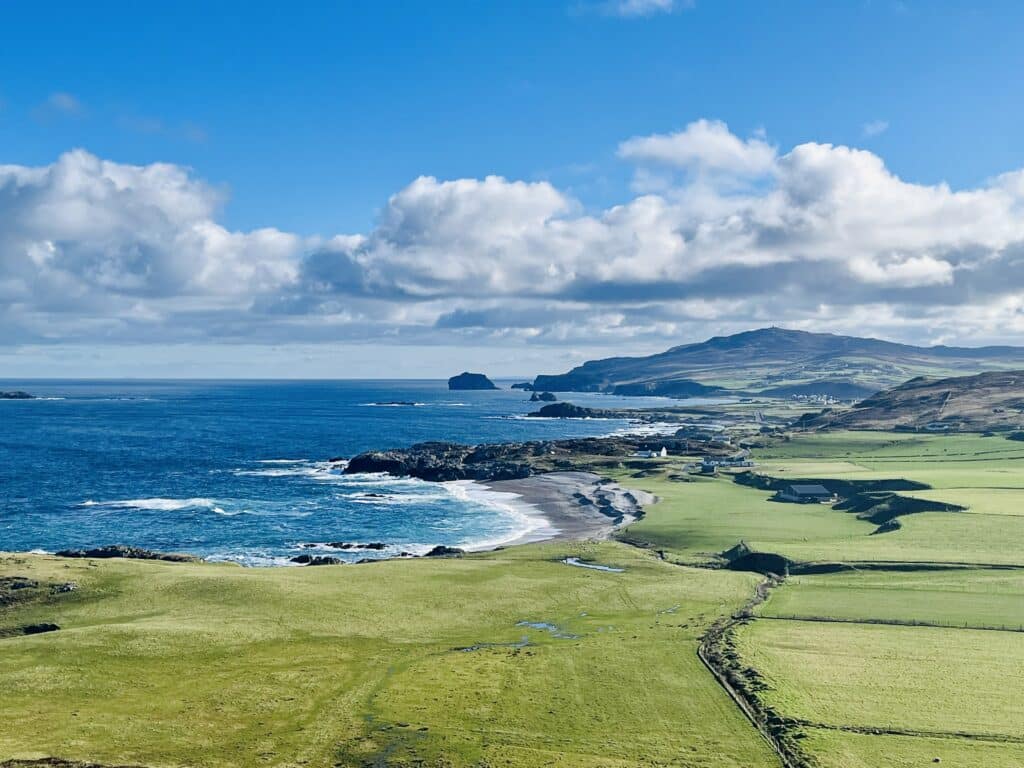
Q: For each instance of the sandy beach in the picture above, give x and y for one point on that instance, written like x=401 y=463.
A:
x=576 y=505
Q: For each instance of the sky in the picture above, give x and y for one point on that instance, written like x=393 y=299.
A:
x=410 y=189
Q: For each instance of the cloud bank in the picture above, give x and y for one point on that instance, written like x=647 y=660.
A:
x=735 y=233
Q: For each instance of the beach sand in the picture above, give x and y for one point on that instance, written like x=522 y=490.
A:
x=577 y=505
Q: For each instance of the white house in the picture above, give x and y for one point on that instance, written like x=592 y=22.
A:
x=652 y=454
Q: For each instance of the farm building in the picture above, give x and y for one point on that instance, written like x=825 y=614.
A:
x=806 y=494
x=652 y=454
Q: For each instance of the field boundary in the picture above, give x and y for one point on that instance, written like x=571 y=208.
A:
x=890 y=623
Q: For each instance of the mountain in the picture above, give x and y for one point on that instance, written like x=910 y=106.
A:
x=987 y=401
x=780 y=363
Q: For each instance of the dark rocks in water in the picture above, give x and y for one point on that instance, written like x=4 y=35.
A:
x=131 y=553
x=523 y=385
x=567 y=411
x=396 y=402
x=446 y=461
x=317 y=560
x=543 y=397
x=442 y=551
x=16 y=395
x=439 y=461
x=466 y=380
x=375 y=545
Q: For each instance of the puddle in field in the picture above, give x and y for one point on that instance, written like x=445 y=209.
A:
x=551 y=629
x=593 y=566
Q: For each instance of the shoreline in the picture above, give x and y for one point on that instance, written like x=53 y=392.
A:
x=566 y=506
x=576 y=505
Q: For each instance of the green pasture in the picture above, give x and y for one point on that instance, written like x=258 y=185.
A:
x=926 y=679
x=842 y=749
x=164 y=664
x=955 y=597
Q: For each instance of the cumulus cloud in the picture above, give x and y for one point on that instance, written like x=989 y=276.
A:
x=634 y=8
x=704 y=145
x=827 y=238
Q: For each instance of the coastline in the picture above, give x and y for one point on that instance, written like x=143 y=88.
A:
x=576 y=505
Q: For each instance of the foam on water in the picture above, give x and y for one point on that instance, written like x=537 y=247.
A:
x=230 y=470
x=156 y=505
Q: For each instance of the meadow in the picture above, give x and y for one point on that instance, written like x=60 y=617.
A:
x=904 y=654
x=423 y=662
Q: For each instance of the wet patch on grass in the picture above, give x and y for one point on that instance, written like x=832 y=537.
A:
x=593 y=566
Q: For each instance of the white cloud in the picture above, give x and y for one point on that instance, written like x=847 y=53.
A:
x=632 y=8
x=910 y=272
x=827 y=238
x=875 y=128
x=704 y=145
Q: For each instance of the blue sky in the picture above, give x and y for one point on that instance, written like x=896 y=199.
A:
x=307 y=117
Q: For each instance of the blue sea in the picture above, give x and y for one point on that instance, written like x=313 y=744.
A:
x=238 y=470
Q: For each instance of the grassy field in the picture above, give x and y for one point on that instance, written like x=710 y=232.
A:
x=166 y=664
x=696 y=520
x=957 y=598
x=840 y=651
x=839 y=749
x=933 y=680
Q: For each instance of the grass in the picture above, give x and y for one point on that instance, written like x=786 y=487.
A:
x=697 y=520
x=943 y=681
x=957 y=598
x=838 y=749
x=200 y=664
x=918 y=689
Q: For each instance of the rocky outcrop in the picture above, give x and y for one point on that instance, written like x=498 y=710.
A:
x=543 y=397
x=446 y=461
x=569 y=411
x=468 y=381
x=317 y=560
x=523 y=385
x=131 y=553
x=513 y=461
x=16 y=395
x=442 y=551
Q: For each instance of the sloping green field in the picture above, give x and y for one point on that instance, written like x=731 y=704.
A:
x=167 y=664
x=926 y=679
x=956 y=598
x=844 y=655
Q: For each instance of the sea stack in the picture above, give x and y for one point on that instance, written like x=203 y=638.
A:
x=467 y=380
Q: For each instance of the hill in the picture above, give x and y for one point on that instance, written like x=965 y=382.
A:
x=988 y=401
x=780 y=363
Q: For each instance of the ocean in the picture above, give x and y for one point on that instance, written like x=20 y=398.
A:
x=237 y=470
